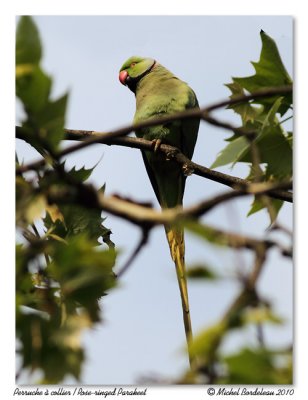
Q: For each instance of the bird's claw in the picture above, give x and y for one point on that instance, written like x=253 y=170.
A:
x=156 y=144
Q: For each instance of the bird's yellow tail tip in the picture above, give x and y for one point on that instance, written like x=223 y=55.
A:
x=176 y=243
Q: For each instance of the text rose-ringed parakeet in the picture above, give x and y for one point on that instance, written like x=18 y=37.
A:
x=159 y=93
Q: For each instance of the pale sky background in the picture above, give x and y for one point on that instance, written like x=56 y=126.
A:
x=142 y=333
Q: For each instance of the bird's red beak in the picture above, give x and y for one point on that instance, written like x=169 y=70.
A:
x=122 y=77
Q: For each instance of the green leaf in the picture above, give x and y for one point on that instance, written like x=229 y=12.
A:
x=207 y=233
x=67 y=220
x=205 y=344
x=232 y=152
x=35 y=208
x=214 y=236
x=60 y=275
x=201 y=271
x=260 y=315
x=81 y=174
x=42 y=348
x=245 y=110
x=33 y=89
x=44 y=127
x=83 y=272
x=45 y=118
x=276 y=153
x=28 y=44
x=270 y=72
x=80 y=219
x=51 y=121
x=54 y=214
x=24 y=283
x=272 y=143
x=30 y=205
x=257 y=367
x=70 y=220
x=258 y=205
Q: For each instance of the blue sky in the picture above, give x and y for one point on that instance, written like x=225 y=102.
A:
x=143 y=331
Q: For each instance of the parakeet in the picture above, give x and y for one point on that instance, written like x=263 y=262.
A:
x=159 y=93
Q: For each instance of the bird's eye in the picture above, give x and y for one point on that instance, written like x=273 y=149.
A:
x=132 y=64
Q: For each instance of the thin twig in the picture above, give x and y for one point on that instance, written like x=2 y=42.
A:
x=278 y=226
x=248 y=295
x=262 y=93
x=142 y=242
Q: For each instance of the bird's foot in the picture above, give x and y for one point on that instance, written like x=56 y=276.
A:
x=156 y=144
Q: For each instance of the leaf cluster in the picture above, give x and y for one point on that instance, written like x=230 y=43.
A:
x=256 y=365
x=62 y=271
x=267 y=147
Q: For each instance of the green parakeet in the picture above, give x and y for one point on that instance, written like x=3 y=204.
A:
x=159 y=93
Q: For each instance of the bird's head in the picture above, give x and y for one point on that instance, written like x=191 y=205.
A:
x=134 y=69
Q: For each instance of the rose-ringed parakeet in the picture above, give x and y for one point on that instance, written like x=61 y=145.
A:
x=159 y=93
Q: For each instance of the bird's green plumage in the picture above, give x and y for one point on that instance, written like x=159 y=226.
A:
x=159 y=93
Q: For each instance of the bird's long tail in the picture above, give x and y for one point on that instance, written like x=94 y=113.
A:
x=175 y=238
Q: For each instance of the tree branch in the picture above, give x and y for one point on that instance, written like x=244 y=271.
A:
x=173 y=153
x=116 y=138
x=146 y=217
x=236 y=183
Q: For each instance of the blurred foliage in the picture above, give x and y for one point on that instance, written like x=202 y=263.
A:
x=201 y=271
x=273 y=145
x=260 y=365
x=61 y=271
x=65 y=256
